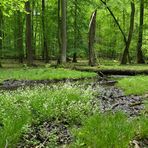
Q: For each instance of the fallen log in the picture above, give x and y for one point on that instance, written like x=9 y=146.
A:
x=113 y=71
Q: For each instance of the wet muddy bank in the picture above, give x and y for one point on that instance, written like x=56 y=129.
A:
x=46 y=134
x=12 y=84
x=114 y=99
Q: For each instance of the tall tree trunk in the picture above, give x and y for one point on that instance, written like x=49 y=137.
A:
x=75 y=32
x=140 y=58
x=20 y=37
x=35 y=32
x=1 y=34
x=45 y=45
x=63 y=31
x=124 y=17
x=59 y=31
x=33 y=29
x=29 y=49
x=92 y=31
x=15 y=31
x=126 y=50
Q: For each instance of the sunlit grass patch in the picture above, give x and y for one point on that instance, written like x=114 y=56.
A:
x=137 y=85
x=42 y=74
x=124 y=67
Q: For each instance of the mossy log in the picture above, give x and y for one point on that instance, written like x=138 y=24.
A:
x=114 y=71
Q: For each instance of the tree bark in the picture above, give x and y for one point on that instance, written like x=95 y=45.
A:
x=63 y=32
x=140 y=58
x=92 y=32
x=20 y=37
x=126 y=50
x=59 y=31
x=1 y=34
x=29 y=48
x=45 y=44
x=75 y=32
x=33 y=29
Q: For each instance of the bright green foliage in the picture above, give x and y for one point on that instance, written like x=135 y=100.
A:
x=8 y=6
x=142 y=126
x=127 y=67
x=109 y=41
x=137 y=85
x=42 y=74
x=69 y=103
x=109 y=130
x=146 y=104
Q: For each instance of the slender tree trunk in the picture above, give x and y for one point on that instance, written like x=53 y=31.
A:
x=45 y=45
x=126 y=50
x=35 y=32
x=75 y=32
x=124 y=17
x=116 y=21
x=1 y=34
x=29 y=49
x=20 y=37
x=33 y=29
x=140 y=58
x=126 y=41
x=63 y=31
x=92 y=31
x=59 y=31
x=15 y=31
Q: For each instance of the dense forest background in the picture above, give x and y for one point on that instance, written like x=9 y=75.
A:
x=68 y=30
x=73 y=73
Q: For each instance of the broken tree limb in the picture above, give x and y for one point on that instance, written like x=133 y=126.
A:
x=92 y=32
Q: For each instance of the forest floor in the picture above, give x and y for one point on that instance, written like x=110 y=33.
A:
x=101 y=112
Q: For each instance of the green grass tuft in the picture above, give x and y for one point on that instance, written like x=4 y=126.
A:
x=110 y=131
x=105 y=130
x=137 y=85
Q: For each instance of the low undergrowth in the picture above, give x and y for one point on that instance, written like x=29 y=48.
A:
x=42 y=74
x=110 y=130
x=21 y=108
x=67 y=114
